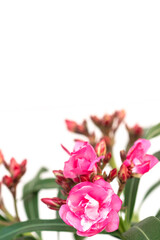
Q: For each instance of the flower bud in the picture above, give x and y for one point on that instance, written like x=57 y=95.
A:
x=101 y=148
x=8 y=181
x=113 y=173
x=1 y=157
x=53 y=203
x=107 y=158
x=123 y=155
x=97 y=177
x=123 y=174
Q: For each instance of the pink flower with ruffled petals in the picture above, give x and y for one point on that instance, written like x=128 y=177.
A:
x=82 y=161
x=138 y=160
x=91 y=208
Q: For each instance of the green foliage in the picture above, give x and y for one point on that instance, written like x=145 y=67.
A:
x=130 y=194
x=148 y=229
x=152 y=132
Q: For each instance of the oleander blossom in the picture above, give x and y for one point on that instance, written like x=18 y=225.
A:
x=91 y=208
x=82 y=161
x=138 y=160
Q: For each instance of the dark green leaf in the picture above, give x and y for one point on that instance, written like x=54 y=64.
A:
x=157 y=155
x=130 y=196
x=148 y=229
x=9 y=233
x=158 y=215
x=30 y=197
x=76 y=237
x=150 y=190
x=25 y=238
x=153 y=132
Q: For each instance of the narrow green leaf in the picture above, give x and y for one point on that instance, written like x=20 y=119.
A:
x=30 y=197
x=148 y=229
x=130 y=196
x=157 y=155
x=158 y=215
x=150 y=190
x=10 y=232
x=153 y=132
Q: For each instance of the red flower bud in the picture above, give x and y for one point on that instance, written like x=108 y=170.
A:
x=8 y=181
x=112 y=175
x=53 y=203
x=101 y=148
x=123 y=174
x=123 y=155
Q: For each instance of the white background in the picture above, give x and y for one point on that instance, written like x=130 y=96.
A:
x=72 y=59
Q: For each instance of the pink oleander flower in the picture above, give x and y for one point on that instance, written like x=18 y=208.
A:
x=138 y=160
x=17 y=170
x=91 y=208
x=82 y=161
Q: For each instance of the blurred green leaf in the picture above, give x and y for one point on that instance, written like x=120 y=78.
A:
x=157 y=155
x=158 y=215
x=148 y=229
x=10 y=232
x=130 y=194
x=153 y=132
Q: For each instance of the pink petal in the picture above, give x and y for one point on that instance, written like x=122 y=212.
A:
x=141 y=168
x=113 y=221
x=152 y=159
x=139 y=148
x=116 y=203
x=63 y=212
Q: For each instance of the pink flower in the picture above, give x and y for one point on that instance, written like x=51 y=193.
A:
x=91 y=208
x=82 y=161
x=138 y=160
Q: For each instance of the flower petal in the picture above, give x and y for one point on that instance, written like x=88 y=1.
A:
x=116 y=203
x=113 y=221
x=152 y=159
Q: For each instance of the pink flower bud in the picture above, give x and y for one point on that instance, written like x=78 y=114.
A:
x=1 y=157
x=53 y=203
x=8 y=181
x=101 y=148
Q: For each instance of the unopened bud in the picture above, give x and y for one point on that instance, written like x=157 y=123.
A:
x=123 y=155
x=53 y=203
x=8 y=181
x=107 y=158
x=112 y=175
x=71 y=125
x=97 y=177
x=1 y=157
x=101 y=148
x=123 y=174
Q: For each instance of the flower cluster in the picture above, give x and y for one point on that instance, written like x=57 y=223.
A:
x=91 y=205
x=16 y=171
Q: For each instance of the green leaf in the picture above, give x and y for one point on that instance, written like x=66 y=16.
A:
x=157 y=155
x=76 y=237
x=153 y=132
x=148 y=229
x=130 y=197
x=150 y=190
x=158 y=215
x=10 y=232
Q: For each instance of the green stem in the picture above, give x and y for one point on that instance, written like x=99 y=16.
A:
x=7 y=214
x=16 y=210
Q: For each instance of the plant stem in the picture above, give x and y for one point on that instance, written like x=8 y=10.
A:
x=15 y=205
x=8 y=215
